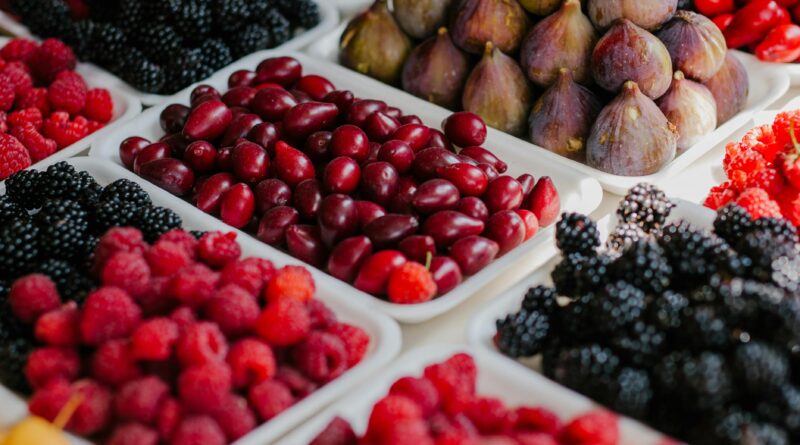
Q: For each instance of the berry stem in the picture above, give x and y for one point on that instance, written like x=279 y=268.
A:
x=66 y=413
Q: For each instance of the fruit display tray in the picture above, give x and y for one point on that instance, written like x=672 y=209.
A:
x=766 y=86
x=126 y=107
x=578 y=192
x=383 y=331
x=497 y=377
x=329 y=20
x=351 y=6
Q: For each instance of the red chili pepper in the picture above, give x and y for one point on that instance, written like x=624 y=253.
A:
x=751 y=23
x=723 y=21
x=712 y=8
x=781 y=45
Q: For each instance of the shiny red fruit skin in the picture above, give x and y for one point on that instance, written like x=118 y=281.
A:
x=271 y=193
x=154 y=151
x=284 y=71
x=380 y=126
x=348 y=256
x=448 y=226
x=238 y=206
x=304 y=243
x=239 y=96
x=446 y=274
x=341 y=175
x=504 y=193
x=485 y=156
x=469 y=179
x=307 y=197
x=272 y=104
x=210 y=192
x=465 y=129
x=343 y=99
x=473 y=207
x=170 y=174
x=306 y=118
x=207 y=121
x=317 y=146
x=368 y=211
x=337 y=218
x=201 y=91
x=350 y=141
x=397 y=153
x=241 y=78
x=439 y=140
x=410 y=119
x=527 y=182
x=239 y=127
x=473 y=253
x=317 y=87
x=173 y=118
x=249 y=161
x=530 y=221
x=434 y=195
x=429 y=160
x=361 y=109
x=374 y=273
x=415 y=135
x=272 y=228
x=544 y=201
x=130 y=148
x=418 y=247
x=379 y=182
x=201 y=156
x=266 y=135
x=292 y=165
x=224 y=159
x=390 y=229
x=507 y=229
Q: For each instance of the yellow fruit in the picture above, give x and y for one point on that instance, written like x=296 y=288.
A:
x=35 y=430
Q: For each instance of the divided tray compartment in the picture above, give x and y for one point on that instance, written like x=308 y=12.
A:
x=383 y=331
x=578 y=192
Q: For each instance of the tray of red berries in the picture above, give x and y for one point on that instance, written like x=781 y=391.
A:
x=52 y=107
x=184 y=337
x=455 y=394
x=678 y=316
x=367 y=192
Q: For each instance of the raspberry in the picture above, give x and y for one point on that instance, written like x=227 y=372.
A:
x=94 y=412
x=538 y=419
x=166 y=258
x=338 y=432
x=789 y=163
x=140 y=399
x=6 y=96
x=235 y=417
x=270 y=398
x=528 y=438
x=355 y=340
x=59 y=327
x=169 y=415
x=249 y=273
x=762 y=139
x=420 y=390
x=411 y=283
x=67 y=93
x=108 y=313
x=322 y=317
x=52 y=57
x=50 y=363
x=783 y=126
x=218 y=249
x=92 y=126
x=33 y=295
x=741 y=165
x=13 y=156
x=234 y=309
x=298 y=384
x=198 y=430
x=113 y=363
x=194 y=285
x=719 y=196
x=48 y=401
x=19 y=49
x=489 y=415
x=156 y=299
x=204 y=387
x=30 y=115
x=184 y=317
x=455 y=381
x=251 y=362
x=34 y=98
x=38 y=146
x=596 y=427
x=3 y=122
x=790 y=205
x=758 y=203
x=201 y=343
x=18 y=75
x=283 y=323
x=321 y=356
x=293 y=282
x=133 y=434
x=183 y=238
x=118 y=239
x=389 y=412
x=127 y=271
x=768 y=179
x=99 y=105
x=154 y=339
x=65 y=133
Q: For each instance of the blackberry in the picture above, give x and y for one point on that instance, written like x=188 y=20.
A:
x=126 y=191
x=60 y=180
x=765 y=434
x=110 y=45
x=78 y=36
x=574 y=322
x=732 y=222
x=522 y=334
x=249 y=39
x=114 y=213
x=155 y=221
x=641 y=344
x=302 y=13
x=19 y=247
x=645 y=205
x=761 y=368
x=730 y=426
x=764 y=248
x=141 y=73
x=216 y=53
x=644 y=265
x=131 y=16
x=589 y=369
x=194 y=20
x=694 y=255
x=63 y=229
x=706 y=379
x=757 y=308
x=618 y=305
x=25 y=188
x=13 y=357
x=230 y=15
x=10 y=210
x=46 y=18
x=158 y=42
x=185 y=68
x=634 y=393
x=786 y=273
x=72 y=285
x=161 y=10
x=278 y=26
x=577 y=274
x=576 y=233
x=666 y=310
x=780 y=227
x=667 y=373
x=625 y=235
x=705 y=327
x=541 y=299
x=103 y=10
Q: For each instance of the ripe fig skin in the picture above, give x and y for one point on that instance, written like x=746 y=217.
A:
x=562 y=118
x=696 y=45
x=540 y=7
x=648 y=14
x=498 y=92
x=628 y=52
x=691 y=107
x=436 y=71
x=421 y=18
x=373 y=44
x=631 y=136
x=561 y=40
x=730 y=87
x=477 y=22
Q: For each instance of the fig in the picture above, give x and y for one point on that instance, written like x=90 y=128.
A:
x=436 y=71
x=477 y=22
x=421 y=18
x=562 y=40
x=498 y=92
x=562 y=118
x=649 y=14
x=695 y=43
x=730 y=87
x=631 y=136
x=540 y=7
x=628 y=52
x=373 y=44
x=690 y=106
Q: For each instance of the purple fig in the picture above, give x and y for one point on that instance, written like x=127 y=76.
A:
x=436 y=71
x=695 y=43
x=562 y=118
x=540 y=7
x=373 y=44
x=477 y=22
x=498 y=92
x=421 y=18
x=649 y=14
x=562 y=40
x=628 y=52
x=690 y=106
x=631 y=137
x=730 y=87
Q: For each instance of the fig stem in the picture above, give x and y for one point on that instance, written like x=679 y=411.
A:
x=488 y=49
x=442 y=31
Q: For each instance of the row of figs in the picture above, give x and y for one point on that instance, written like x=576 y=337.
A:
x=621 y=85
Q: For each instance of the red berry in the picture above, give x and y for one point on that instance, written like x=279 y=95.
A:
x=338 y=432
x=50 y=363
x=758 y=203
x=38 y=146
x=420 y=390
x=133 y=434
x=201 y=343
x=321 y=356
x=355 y=340
x=194 y=285
x=251 y=362
x=411 y=283
x=218 y=249
x=94 y=411
x=18 y=75
x=597 y=427
x=51 y=58
x=28 y=115
x=465 y=129
x=489 y=415
x=108 y=313
x=33 y=295
x=538 y=419
x=234 y=309
x=127 y=271
x=154 y=339
x=125 y=239
x=166 y=258
x=48 y=401
x=99 y=105
x=140 y=399
x=390 y=411
x=19 y=49
x=60 y=327
x=113 y=363
x=250 y=273
x=33 y=98
x=169 y=416
x=183 y=238
x=13 y=156
x=67 y=93
x=284 y=322
x=198 y=430
x=234 y=417
x=270 y=398
x=59 y=128
x=204 y=387
x=6 y=96
x=290 y=282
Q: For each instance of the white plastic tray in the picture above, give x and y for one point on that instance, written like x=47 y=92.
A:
x=578 y=193
x=329 y=20
x=351 y=6
x=766 y=86
x=497 y=377
x=383 y=331
x=126 y=107
x=791 y=69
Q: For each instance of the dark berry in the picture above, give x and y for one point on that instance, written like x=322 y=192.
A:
x=576 y=233
x=646 y=206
